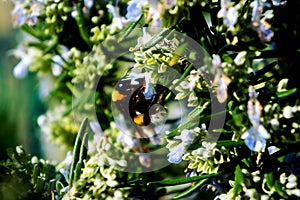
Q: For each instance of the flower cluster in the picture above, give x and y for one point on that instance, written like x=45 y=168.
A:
x=199 y=92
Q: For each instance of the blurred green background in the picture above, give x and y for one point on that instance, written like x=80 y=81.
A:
x=19 y=101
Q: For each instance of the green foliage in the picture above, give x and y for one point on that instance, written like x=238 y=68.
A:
x=230 y=66
x=26 y=177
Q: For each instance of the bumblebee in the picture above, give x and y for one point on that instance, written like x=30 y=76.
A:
x=135 y=97
x=138 y=101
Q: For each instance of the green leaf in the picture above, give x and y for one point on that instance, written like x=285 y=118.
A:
x=230 y=143
x=77 y=149
x=279 y=190
x=183 y=180
x=130 y=28
x=191 y=189
x=194 y=114
x=40 y=184
x=237 y=117
x=286 y=93
x=239 y=179
x=36 y=172
x=59 y=186
x=269 y=179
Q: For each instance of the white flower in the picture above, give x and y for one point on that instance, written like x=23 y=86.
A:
x=26 y=12
x=254 y=112
x=193 y=79
x=88 y=4
x=46 y=85
x=117 y=21
x=279 y=2
x=240 y=58
x=216 y=61
x=221 y=81
x=142 y=40
x=287 y=112
x=154 y=13
x=257 y=8
x=58 y=61
x=56 y=66
x=96 y=128
x=187 y=136
x=65 y=171
x=272 y=149
x=228 y=13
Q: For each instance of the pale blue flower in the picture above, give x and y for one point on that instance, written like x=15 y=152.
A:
x=176 y=153
x=255 y=138
x=149 y=90
x=88 y=4
x=127 y=140
x=21 y=69
x=169 y=4
x=177 y=150
x=146 y=37
x=57 y=65
x=134 y=9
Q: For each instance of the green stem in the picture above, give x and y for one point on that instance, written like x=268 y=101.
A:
x=191 y=189
x=221 y=143
x=80 y=23
x=77 y=149
x=185 y=73
x=183 y=180
x=82 y=156
x=130 y=28
x=163 y=34
x=35 y=32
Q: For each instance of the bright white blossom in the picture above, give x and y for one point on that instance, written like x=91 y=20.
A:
x=25 y=11
x=27 y=56
x=117 y=20
x=229 y=13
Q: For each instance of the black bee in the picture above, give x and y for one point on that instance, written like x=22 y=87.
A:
x=135 y=97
